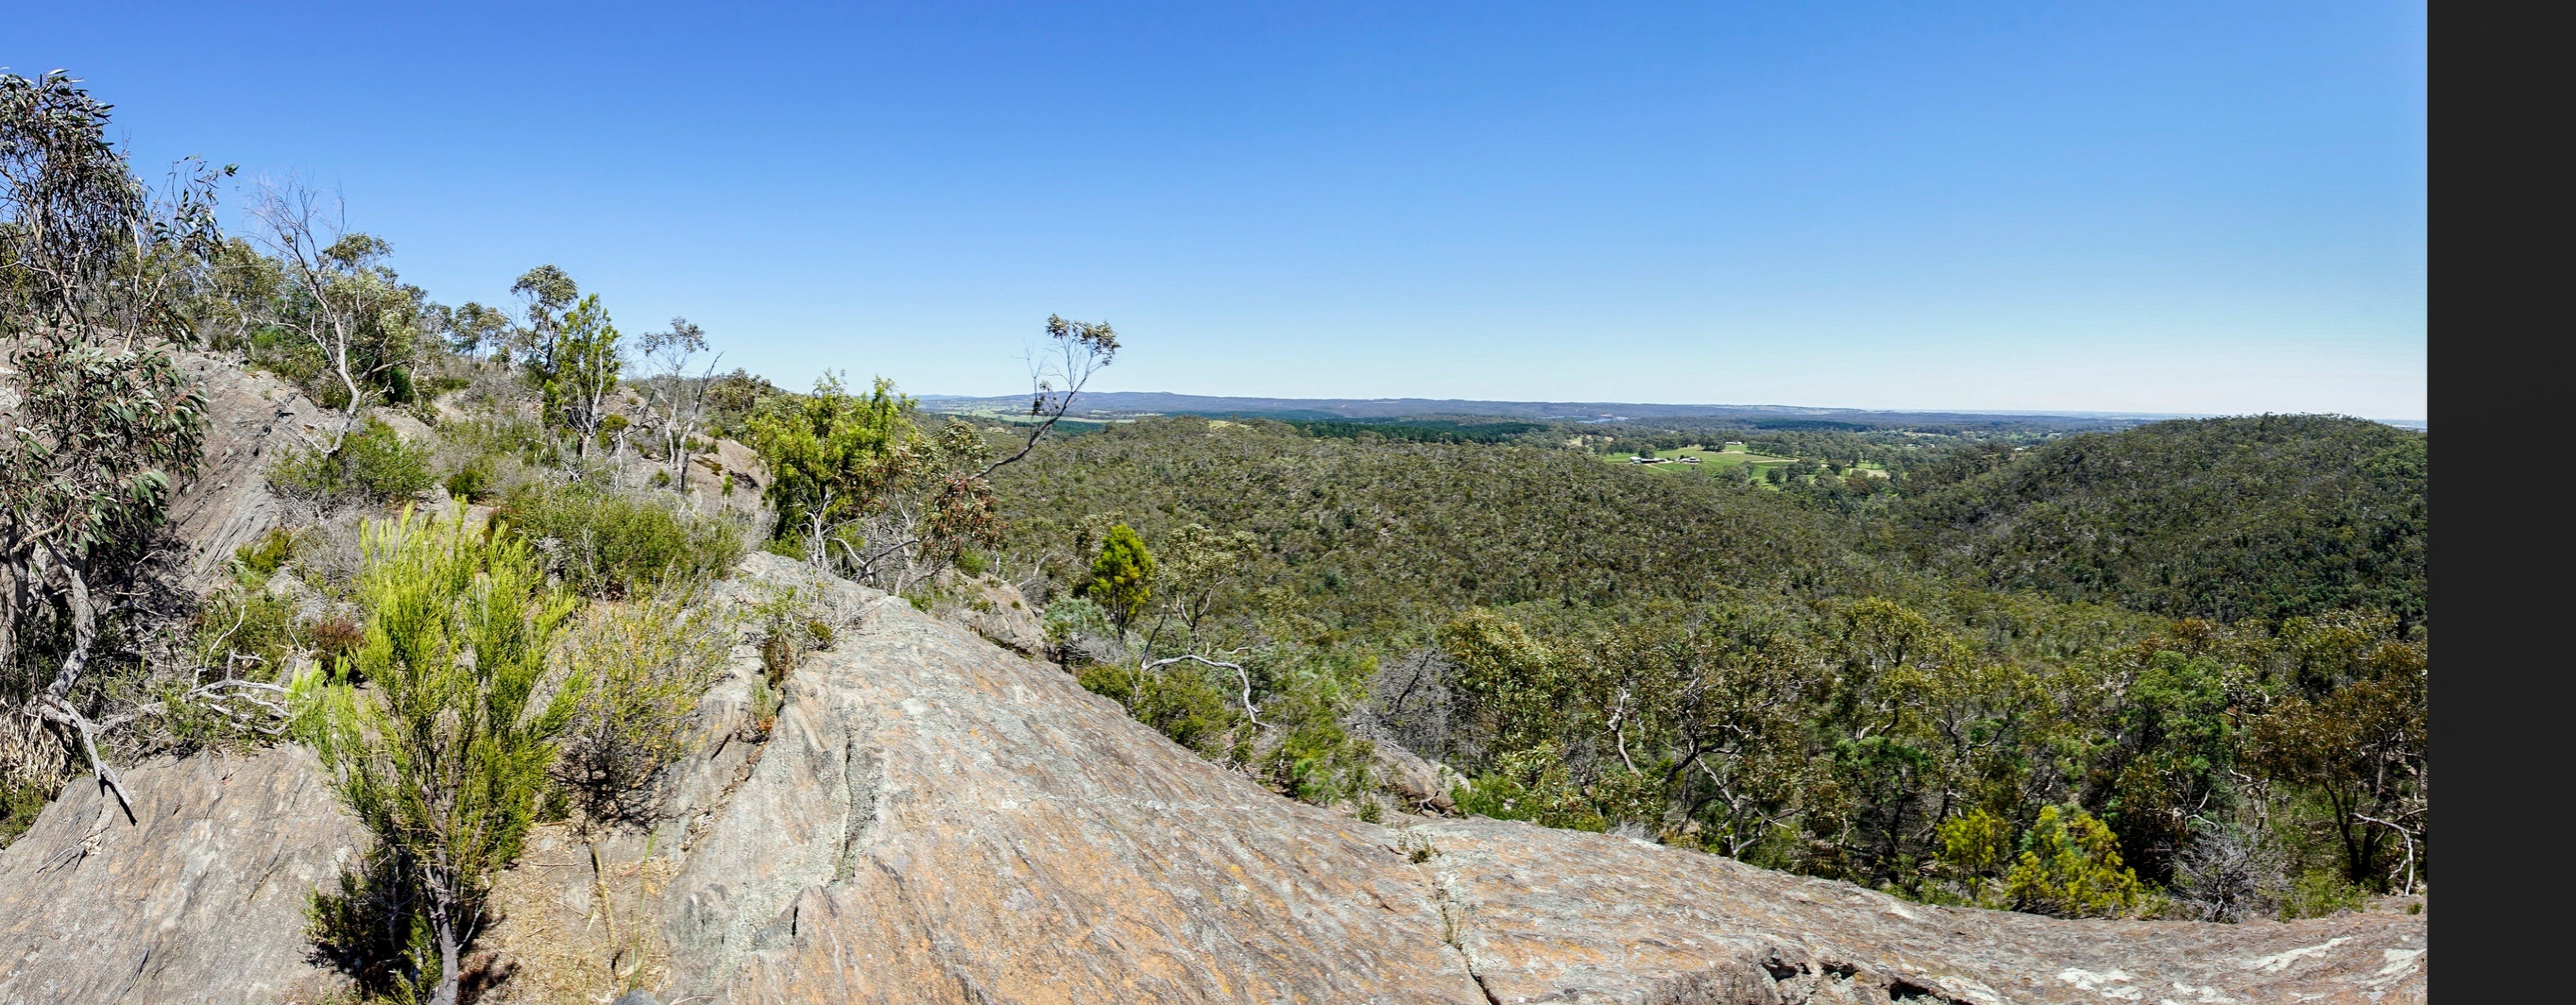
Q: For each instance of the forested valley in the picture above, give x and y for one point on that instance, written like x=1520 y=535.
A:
x=2177 y=669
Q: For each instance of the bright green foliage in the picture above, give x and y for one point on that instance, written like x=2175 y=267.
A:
x=1979 y=844
x=647 y=661
x=2070 y=867
x=577 y=367
x=1122 y=575
x=831 y=457
x=2320 y=892
x=1534 y=785
x=611 y=542
x=439 y=753
x=373 y=466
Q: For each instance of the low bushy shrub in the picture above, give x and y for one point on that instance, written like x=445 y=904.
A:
x=792 y=623
x=648 y=662
x=1179 y=700
x=372 y=466
x=607 y=542
x=2070 y=867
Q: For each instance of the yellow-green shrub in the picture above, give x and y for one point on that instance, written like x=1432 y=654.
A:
x=2070 y=867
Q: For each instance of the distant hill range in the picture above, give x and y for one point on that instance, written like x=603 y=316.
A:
x=1135 y=404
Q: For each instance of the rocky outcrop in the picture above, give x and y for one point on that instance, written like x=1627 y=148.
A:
x=251 y=418
x=999 y=612
x=931 y=818
x=1556 y=916
x=200 y=898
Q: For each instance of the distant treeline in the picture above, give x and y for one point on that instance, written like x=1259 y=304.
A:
x=1422 y=430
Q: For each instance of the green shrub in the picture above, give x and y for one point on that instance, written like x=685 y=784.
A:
x=20 y=802
x=1122 y=576
x=470 y=483
x=648 y=662
x=2070 y=867
x=612 y=543
x=2321 y=892
x=1177 y=700
x=1533 y=785
x=1978 y=844
x=1073 y=616
x=442 y=754
x=268 y=553
x=791 y=625
x=373 y=465
x=1316 y=760
x=246 y=632
x=481 y=441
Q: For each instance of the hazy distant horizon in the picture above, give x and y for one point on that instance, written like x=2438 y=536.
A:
x=1115 y=401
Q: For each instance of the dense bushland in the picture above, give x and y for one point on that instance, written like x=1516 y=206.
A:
x=2260 y=517
x=1736 y=669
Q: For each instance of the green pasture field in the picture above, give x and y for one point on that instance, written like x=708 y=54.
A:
x=1711 y=461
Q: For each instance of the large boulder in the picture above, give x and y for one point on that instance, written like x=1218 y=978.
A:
x=199 y=899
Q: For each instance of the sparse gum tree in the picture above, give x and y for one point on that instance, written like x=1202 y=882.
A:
x=682 y=399
x=338 y=294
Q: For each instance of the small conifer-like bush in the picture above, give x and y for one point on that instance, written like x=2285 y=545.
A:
x=432 y=737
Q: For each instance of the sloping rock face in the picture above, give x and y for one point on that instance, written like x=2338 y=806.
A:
x=251 y=418
x=200 y=899
x=1558 y=916
x=936 y=820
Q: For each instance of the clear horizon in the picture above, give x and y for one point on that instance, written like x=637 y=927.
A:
x=2184 y=209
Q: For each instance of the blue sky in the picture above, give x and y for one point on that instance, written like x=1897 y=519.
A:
x=2174 y=207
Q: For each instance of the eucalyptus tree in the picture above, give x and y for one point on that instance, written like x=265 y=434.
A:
x=680 y=396
x=340 y=296
x=96 y=275
x=473 y=328
x=1078 y=351
x=543 y=294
